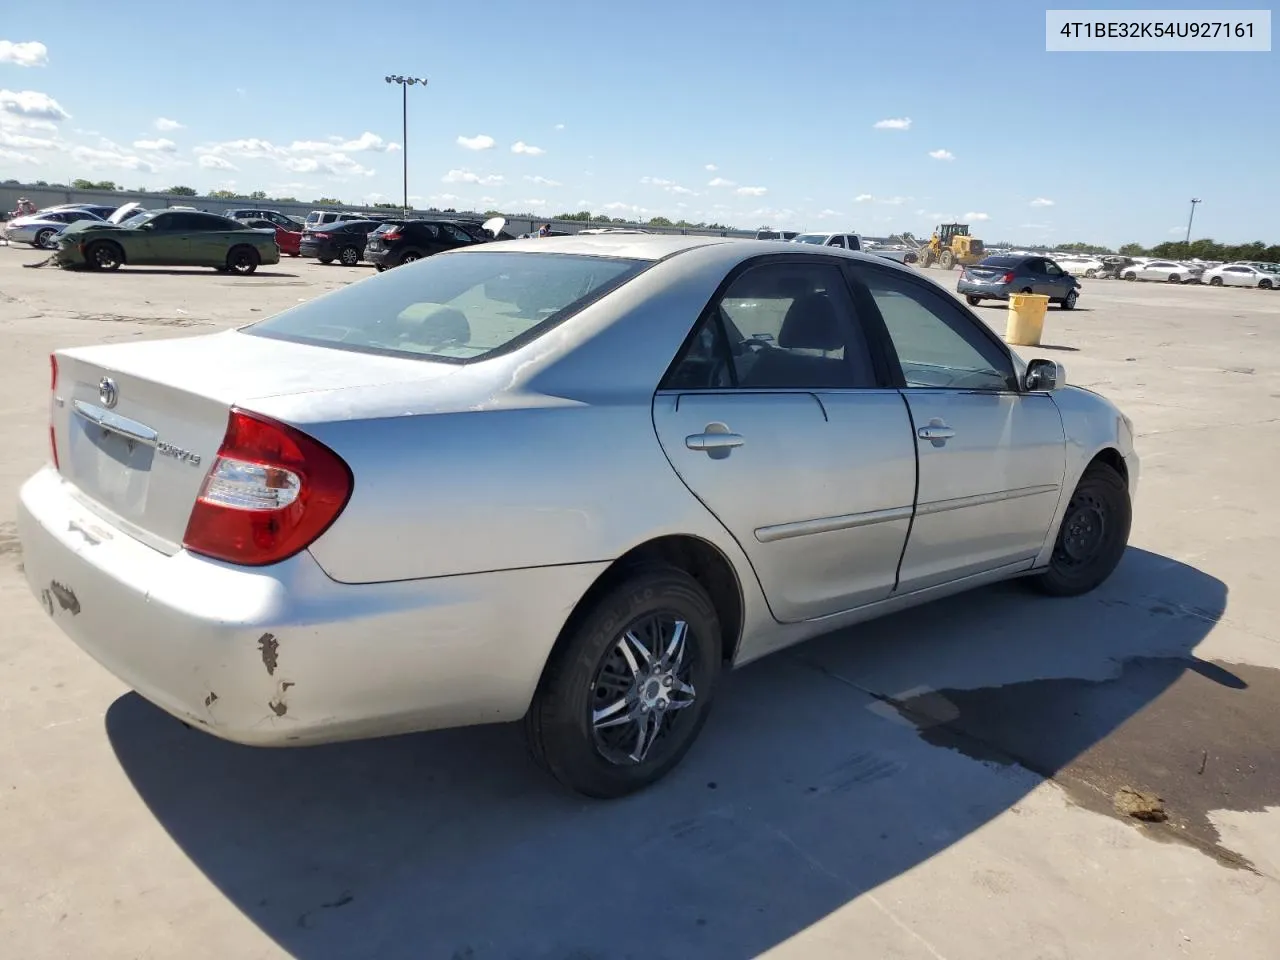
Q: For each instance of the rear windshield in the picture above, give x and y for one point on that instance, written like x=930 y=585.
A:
x=1001 y=261
x=457 y=307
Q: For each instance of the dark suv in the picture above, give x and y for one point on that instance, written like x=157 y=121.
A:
x=342 y=241
x=396 y=243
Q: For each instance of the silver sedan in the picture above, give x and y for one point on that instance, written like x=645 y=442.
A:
x=569 y=481
x=1166 y=271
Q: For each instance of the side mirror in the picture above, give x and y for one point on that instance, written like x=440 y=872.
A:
x=1043 y=375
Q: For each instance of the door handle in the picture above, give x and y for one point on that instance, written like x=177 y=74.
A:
x=716 y=441
x=937 y=432
x=713 y=441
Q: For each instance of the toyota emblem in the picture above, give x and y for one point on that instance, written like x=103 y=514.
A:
x=107 y=392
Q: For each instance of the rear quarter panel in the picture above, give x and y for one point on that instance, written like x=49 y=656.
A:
x=453 y=493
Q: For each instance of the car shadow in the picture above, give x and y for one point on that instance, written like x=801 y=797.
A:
x=1055 y=346
x=825 y=771
x=127 y=270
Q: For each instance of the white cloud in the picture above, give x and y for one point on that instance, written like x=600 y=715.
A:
x=366 y=141
x=165 y=124
x=481 y=141
x=543 y=181
x=683 y=191
x=973 y=217
x=534 y=203
x=488 y=199
x=160 y=145
x=29 y=53
x=466 y=176
x=13 y=156
x=29 y=143
x=31 y=105
x=752 y=191
x=619 y=207
x=210 y=162
x=1041 y=202
x=711 y=167
x=863 y=198
x=656 y=181
x=895 y=201
x=827 y=214
x=444 y=197
x=893 y=123
x=521 y=147
x=720 y=182
x=942 y=154
x=559 y=126
x=111 y=158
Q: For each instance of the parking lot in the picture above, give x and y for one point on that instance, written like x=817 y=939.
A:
x=945 y=783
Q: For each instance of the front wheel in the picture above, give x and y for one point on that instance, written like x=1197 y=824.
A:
x=1215 y=281
x=1091 y=273
x=1069 y=303
x=1264 y=284
x=104 y=255
x=629 y=685
x=1131 y=276
x=1174 y=278
x=42 y=238
x=1093 y=534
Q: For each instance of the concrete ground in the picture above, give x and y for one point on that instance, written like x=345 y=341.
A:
x=940 y=784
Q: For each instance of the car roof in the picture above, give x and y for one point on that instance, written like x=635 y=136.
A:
x=632 y=246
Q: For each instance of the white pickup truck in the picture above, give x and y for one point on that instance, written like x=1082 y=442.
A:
x=853 y=241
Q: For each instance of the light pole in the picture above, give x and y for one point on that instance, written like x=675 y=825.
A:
x=1194 y=201
x=405 y=84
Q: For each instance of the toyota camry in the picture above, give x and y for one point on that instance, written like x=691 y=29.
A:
x=570 y=482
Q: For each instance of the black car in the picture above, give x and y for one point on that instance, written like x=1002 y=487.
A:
x=404 y=242
x=342 y=241
x=995 y=278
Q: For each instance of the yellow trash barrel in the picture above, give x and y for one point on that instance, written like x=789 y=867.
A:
x=1026 y=319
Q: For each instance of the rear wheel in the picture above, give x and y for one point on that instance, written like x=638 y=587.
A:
x=1130 y=275
x=1093 y=534
x=380 y=267
x=325 y=259
x=628 y=687
x=243 y=260
x=1265 y=284
x=1215 y=281
x=947 y=260
x=349 y=256
x=1174 y=278
x=973 y=301
x=411 y=257
x=1091 y=273
x=42 y=237
x=104 y=255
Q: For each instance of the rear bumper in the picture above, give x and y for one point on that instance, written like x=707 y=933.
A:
x=284 y=655
x=316 y=250
x=987 y=291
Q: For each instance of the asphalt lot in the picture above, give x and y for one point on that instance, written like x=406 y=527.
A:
x=939 y=784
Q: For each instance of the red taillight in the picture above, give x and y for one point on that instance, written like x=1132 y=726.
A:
x=1007 y=278
x=271 y=492
x=53 y=386
x=322 y=236
x=391 y=233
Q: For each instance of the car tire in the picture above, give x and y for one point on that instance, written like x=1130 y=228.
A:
x=597 y=667
x=1215 y=281
x=349 y=256
x=325 y=259
x=411 y=257
x=1069 y=301
x=973 y=301
x=42 y=238
x=1092 y=537
x=243 y=260
x=1174 y=278
x=1026 y=290
x=1130 y=276
x=1264 y=284
x=1090 y=273
x=104 y=255
x=380 y=267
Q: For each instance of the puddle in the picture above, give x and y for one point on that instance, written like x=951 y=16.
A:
x=1200 y=735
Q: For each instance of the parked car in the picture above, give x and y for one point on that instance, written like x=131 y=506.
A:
x=1166 y=271
x=289 y=241
x=343 y=241
x=995 y=278
x=1081 y=266
x=408 y=241
x=40 y=229
x=168 y=238
x=568 y=482
x=319 y=219
x=846 y=241
x=274 y=217
x=770 y=234
x=1241 y=275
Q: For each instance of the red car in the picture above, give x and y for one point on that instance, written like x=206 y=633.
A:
x=286 y=240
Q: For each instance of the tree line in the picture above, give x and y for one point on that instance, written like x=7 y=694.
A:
x=1205 y=249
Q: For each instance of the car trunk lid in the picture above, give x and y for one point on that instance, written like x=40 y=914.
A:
x=985 y=274
x=136 y=427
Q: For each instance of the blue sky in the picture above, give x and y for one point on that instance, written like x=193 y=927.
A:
x=738 y=112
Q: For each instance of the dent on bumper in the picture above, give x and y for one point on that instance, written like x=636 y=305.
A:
x=283 y=655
